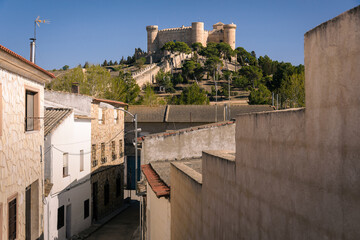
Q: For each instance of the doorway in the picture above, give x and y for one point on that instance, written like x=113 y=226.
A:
x=95 y=201
x=28 y=213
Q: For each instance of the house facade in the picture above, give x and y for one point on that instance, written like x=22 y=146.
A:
x=21 y=146
x=107 y=147
x=67 y=173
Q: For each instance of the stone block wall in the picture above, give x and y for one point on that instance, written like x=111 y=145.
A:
x=107 y=131
x=20 y=154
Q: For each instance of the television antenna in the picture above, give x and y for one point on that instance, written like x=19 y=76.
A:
x=32 y=44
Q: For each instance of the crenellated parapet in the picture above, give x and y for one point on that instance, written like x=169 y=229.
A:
x=190 y=34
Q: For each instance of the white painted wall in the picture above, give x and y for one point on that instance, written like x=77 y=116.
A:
x=71 y=136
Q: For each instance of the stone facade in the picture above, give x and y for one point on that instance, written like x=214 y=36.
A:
x=21 y=151
x=195 y=33
x=107 y=139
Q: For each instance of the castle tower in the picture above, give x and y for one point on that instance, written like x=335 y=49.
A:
x=229 y=34
x=197 y=33
x=152 y=32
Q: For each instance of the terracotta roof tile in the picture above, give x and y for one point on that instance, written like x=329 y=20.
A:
x=157 y=185
x=25 y=61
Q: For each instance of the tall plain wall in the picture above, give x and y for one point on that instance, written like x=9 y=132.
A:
x=188 y=143
x=158 y=216
x=186 y=198
x=332 y=73
x=298 y=172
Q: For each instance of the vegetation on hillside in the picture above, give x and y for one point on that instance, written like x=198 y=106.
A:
x=260 y=77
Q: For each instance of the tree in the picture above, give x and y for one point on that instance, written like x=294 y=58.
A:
x=149 y=98
x=212 y=64
x=86 y=65
x=210 y=50
x=252 y=73
x=225 y=50
x=116 y=63
x=64 y=81
x=261 y=96
x=192 y=70
x=245 y=58
x=66 y=67
x=105 y=63
x=111 y=63
x=164 y=79
x=169 y=46
x=140 y=62
x=197 y=47
x=182 y=47
x=193 y=95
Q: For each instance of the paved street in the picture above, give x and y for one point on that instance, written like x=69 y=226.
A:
x=121 y=227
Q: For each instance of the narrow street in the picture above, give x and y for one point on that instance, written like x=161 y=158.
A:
x=121 y=227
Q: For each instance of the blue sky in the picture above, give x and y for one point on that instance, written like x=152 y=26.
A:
x=94 y=30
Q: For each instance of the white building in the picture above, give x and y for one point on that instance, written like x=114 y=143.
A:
x=67 y=173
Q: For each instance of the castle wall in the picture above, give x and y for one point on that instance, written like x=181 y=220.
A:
x=178 y=34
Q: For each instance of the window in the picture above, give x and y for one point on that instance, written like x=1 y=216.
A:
x=93 y=155
x=121 y=148
x=81 y=160
x=12 y=219
x=86 y=208
x=115 y=116
x=65 y=164
x=60 y=217
x=118 y=186
x=30 y=111
x=106 y=193
x=103 y=158
x=101 y=113
x=113 y=150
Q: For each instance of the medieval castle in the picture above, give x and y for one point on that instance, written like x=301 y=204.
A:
x=221 y=33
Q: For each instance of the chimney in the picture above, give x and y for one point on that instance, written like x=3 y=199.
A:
x=75 y=87
x=32 y=50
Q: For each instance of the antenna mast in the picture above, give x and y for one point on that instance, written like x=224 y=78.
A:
x=33 y=40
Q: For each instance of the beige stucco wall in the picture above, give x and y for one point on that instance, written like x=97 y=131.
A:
x=20 y=161
x=158 y=216
x=188 y=144
x=186 y=206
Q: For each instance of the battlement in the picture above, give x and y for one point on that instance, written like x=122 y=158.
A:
x=175 y=29
x=191 y=34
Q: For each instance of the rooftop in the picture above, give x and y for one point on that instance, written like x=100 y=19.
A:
x=158 y=174
x=53 y=117
x=26 y=61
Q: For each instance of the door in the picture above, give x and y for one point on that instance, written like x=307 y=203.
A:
x=28 y=213
x=130 y=176
x=95 y=200
x=68 y=221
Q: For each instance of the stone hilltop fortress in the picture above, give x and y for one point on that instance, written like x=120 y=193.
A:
x=195 y=33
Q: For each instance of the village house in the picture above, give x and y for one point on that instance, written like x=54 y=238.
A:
x=294 y=174
x=67 y=173
x=21 y=146
x=107 y=146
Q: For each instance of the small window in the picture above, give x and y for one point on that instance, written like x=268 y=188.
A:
x=30 y=111
x=113 y=153
x=12 y=219
x=60 y=217
x=103 y=158
x=121 y=148
x=65 y=164
x=116 y=119
x=101 y=115
x=106 y=193
x=81 y=160
x=118 y=186
x=93 y=155
x=86 y=208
